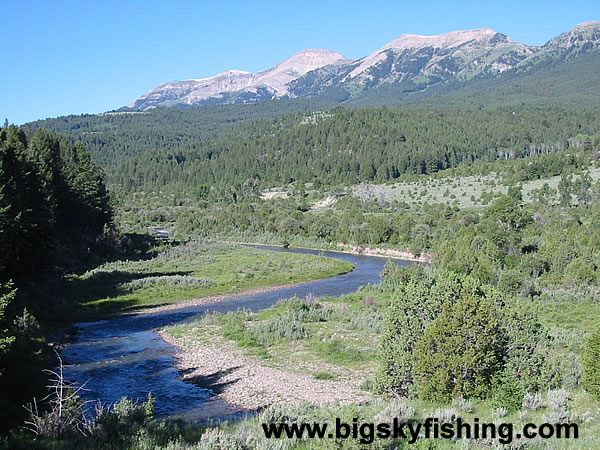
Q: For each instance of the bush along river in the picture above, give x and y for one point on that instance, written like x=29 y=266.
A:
x=124 y=357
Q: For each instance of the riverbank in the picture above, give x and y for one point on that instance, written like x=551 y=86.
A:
x=341 y=247
x=216 y=358
x=196 y=273
x=213 y=299
x=320 y=351
x=405 y=255
x=249 y=383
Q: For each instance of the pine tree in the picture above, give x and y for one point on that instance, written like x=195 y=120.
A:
x=7 y=295
x=24 y=226
x=405 y=322
x=458 y=354
x=565 y=188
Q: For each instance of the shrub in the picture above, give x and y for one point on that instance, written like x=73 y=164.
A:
x=370 y=300
x=168 y=280
x=279 y=328
x=591 y=365
x=396 y=408
x=558 y=399
x=323 y=376
x=532 y=401
x=463 y=404
x=579 y=272
x=453 y=336
x=276 y=413
x=508 y=393
x=563 y=369
x=371 y=320
x=445 y=415
x=336 y=351
x=217 y=439
x=500 y=412
x=405 y=320
x=233 y=327
x=119 y=424
x=368 y=385
x=510 y=281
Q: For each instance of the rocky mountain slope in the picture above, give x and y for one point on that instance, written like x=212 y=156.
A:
x=410 y=63
x=248 y=86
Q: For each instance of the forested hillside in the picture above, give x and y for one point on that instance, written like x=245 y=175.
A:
x=145 y=151
x=568 y=84
x=116 y=134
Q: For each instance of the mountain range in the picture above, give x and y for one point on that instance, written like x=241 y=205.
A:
x=410 y=64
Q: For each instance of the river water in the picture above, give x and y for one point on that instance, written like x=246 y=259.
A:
x=125 y=357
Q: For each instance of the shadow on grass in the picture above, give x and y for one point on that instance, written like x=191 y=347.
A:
x=108 y=285
x=212 y=381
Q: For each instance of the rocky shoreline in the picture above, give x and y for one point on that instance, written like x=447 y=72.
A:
x=384 y=252
x=342 y=247
x=249 y=383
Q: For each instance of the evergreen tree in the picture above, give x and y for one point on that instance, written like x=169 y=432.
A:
x=52 y=197
x=7 y=295
x=565 y=189
x=405 y=321
x=458 y=355
x=591 y=365
x=25 y=227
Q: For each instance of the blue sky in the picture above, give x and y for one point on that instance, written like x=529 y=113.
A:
x=73 y=57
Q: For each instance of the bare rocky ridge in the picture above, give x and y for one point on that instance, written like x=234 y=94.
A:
x=458 y=53
x=583 y=38
x=273 y=80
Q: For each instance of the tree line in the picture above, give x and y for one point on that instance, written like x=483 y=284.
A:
x=54 y=213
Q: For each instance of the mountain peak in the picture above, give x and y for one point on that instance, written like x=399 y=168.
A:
x=581 y=38
x=411 y=61
x=227 y=73
x=590 y=24
x=251 y=86
x=446 y=40
x=454 y=54
x=309 y=59
x=276 y=78
x=315 y=53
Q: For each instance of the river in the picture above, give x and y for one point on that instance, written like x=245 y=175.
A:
x=125 y=357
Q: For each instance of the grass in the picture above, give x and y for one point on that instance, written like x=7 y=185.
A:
x=337 y=352
x=584 y=413
x=464 y=192
x=584 y=316
x=324 y=376
x=324 y=337
x=198 y=269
